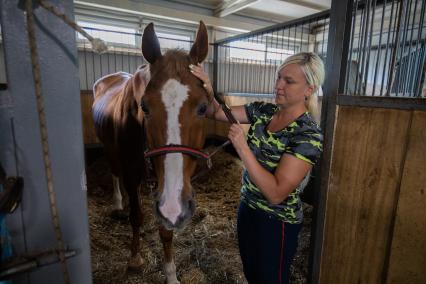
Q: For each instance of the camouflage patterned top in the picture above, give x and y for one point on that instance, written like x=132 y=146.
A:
x=302 y=138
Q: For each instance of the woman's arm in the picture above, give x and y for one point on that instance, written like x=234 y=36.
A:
x=215 y=110
x=275 y=187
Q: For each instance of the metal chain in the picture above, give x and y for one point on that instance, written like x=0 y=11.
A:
x=44 y=138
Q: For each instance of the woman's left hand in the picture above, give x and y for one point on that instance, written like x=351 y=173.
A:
x=238 y=138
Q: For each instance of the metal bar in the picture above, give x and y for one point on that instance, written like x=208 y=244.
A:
x=383 y=102
x=338 y=43
x=419 y=35
x=394 y=51
x=115 y=62
x=323 y=38
x=387 y=45
x=100 y=64
x=400 y=70
x=128 y=59
x=288 y=39
x=320 y=15
x=109 y=72
x=382 y=46
x=85 y=65
x=93 y=67
x=215 y=66
x=349 y=69
x=295 y=37
x=360 y=44
x=265 y=66
x=363 y=59
x=251 y=72
x=379 y=49
x=369 y=47
x=422 y=79
x=410 y=78
x=227 y=60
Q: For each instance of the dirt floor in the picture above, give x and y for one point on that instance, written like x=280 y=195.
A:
x=206 y=250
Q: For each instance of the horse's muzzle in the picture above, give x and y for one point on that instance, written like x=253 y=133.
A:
x=188 y=209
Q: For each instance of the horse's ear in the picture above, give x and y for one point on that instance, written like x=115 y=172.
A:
x=201 y=45
x=150 y=45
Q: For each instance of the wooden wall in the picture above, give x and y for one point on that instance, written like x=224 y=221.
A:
x=375 y=224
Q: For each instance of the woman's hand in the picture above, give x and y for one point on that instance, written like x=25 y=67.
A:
x=238 y=138
x=199 y=72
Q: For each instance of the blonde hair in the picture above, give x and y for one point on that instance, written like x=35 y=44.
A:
x=313 y=68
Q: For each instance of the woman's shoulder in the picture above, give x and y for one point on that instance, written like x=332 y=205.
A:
x=307 y=125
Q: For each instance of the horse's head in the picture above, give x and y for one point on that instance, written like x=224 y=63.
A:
x=174 y=104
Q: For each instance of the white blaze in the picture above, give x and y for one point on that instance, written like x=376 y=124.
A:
x=173 y=96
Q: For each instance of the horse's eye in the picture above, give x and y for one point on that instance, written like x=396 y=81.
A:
x=144 y=108
x=202 y=109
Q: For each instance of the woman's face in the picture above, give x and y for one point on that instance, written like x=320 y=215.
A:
x=291 y=87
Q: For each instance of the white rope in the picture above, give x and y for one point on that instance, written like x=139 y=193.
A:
x=98 y=45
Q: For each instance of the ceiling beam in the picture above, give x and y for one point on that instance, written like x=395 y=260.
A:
x=307 y=4
x=232 y=6
x=143 y=9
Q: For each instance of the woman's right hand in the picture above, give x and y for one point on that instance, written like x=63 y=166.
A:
x=199 y=72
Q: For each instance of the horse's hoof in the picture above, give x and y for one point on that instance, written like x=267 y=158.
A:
x=119 y=214
x=135 y=262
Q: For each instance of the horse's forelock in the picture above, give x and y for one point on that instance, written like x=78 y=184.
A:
x=175 y=63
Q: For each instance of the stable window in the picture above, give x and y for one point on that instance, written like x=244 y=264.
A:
x=278 y=54
x=108 y=33
x=247 y=50
x=169 y=41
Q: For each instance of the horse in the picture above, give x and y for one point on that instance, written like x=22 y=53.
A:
x=161 y=107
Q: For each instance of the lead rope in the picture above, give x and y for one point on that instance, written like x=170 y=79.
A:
x=44 y=138
x=231 y=119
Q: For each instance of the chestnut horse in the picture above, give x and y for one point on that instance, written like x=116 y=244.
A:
x=162 y=107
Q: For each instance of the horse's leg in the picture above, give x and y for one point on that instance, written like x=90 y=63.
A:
x=169 y=264
x=117 y=198
x=136 y=218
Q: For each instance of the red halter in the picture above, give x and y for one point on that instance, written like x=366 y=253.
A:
x=173 y=148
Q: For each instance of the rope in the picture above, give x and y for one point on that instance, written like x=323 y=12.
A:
x=98 y=45
x=44 y=138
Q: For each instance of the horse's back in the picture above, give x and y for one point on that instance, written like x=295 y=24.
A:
x=109 y=83
x=106 y=92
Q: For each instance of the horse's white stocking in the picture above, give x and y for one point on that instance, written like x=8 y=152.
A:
x=117 y=198
x=170 y=271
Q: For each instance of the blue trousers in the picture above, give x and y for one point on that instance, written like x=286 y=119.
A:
x=267 y=245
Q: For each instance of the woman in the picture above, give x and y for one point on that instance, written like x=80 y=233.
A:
x=282 y=145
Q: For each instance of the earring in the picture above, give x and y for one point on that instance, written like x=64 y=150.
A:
x=306 y=98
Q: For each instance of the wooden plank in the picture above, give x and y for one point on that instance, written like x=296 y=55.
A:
x=365 y=173
x=383 y=102
x=408 y=252
x=89 y=133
